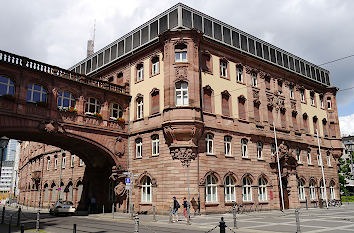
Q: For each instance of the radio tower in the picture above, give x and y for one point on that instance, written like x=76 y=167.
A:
x=91 y=43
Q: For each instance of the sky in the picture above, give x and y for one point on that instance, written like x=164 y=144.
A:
x=56 y=31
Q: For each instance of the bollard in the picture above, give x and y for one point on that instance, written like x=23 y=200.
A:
x=222 y=225
x=113 y=211
x=18 y=217
x=37 y=222
x=306 y=204
x=170 y=217
x=103 y=209
x=22 y=228
x=136 y=224
x=10 y=223
x=298 y=230
x=234 y=216
x=3 y=215
x=74 y=228
x=131 y=211
x=154 y=213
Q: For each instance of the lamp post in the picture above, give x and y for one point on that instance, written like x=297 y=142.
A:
x=3 y=144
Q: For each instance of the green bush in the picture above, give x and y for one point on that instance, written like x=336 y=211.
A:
x=347 y=198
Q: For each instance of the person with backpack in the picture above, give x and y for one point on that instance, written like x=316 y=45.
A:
x=176 y=206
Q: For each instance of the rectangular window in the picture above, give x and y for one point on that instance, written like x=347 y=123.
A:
x=209 y=144
x=227 y=145
x=312 y=97
x=155 y=102
x=139 y=108
x=302 y=95
x=181 y=56
x=329 y=164
x=319 y=160
x=155 y=145
x=206 y=62
x=63 y=161
x=155 y=66
x=267 y=83
x=298 y=155
x=283 y=119
x=182 y=94
x=48 y=164
x=207 y=100
x=270 y=115
x=239 y=76
x=329 y=103
x=72 y=161
x=139 y=72
x=294 y=121
x=223 y=69
x=256 y=112
x=225 y=105
x=138 y=148
x=56 y=163
x=241 y=109
x=291 y=92
x=309 y=157
x=321 y=101
x=254 y=79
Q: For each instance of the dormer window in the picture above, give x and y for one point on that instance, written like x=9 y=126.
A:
x=181 y=53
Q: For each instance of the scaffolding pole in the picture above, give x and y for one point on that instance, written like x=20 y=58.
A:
x=280 y=181
x=323 y=176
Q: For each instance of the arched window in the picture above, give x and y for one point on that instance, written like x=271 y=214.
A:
x=36 y=93
x=259 y=150
x=309 y=157
x=54 y=192
x=262 y=189
x=80 y=187
x=331 y=191
x=92 y=106
x=209 y=140
x=66 y=100
x=69 y=192
x=329 y=163
x=6 y=86
x=139 y=108
x=227 y=145
x=239 y=74
x=46 y=192
x=301 y=190
x=182 y=94
x=146 y=188
x=246 y=189
x=244 y=151
x=230 y=194
x=155 y=65
x=181 y=53
x=210 y=189
x=116 y=111
x=322 y=190
x=138 y=148
x=312 y=190
x=155 y=145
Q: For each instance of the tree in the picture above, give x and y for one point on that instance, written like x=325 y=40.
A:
x=344 y=174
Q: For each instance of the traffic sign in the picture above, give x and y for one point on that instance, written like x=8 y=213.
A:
x=59 y=188
x=127 y=180
x=127 y=173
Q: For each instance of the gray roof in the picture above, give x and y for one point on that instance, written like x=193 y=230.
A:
x=181 y=16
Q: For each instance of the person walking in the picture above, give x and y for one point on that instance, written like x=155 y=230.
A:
x=176 y=206
x=185 y=206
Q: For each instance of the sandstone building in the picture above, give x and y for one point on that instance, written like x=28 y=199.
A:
x=205 y=99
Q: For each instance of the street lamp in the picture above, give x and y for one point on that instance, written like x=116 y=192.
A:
x=3 y=144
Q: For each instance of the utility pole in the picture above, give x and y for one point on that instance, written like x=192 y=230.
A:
x=61 y=165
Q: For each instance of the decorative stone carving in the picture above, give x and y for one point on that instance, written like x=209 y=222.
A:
x=181 y=73
x=293 y=105
x=120 y=190
x=250 y=70
x=119 y=146
x=52 y=126
x=184 y=154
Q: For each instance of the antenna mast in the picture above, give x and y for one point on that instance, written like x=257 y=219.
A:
x=91 y=42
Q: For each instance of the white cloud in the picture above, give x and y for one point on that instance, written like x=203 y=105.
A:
x=346 y=124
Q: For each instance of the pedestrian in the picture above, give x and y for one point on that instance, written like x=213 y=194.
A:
x=176 y=206
x=185 y=206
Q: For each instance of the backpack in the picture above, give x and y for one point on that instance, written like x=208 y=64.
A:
x=177 y=205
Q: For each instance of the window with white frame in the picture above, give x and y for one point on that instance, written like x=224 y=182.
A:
x=312 y=97
x=262 y=189
x=332 y=193
x=146 y=190
x=210 y=189
x=209 y=140
x=223 y=68
x=81 y=163
x=155 y=65
x=259 y=150
x=329 y=163
x=36 y=93
x=139 y=72
x=298 y=154
x=48 y=163
x=66 y=100
x=227 y=145
x=254 y=79
x=322 y=190
x=301 y=190
x=92 y=106
x=321 y=101
x=312 y=190
x=309 y=157
x=291 y=92
x=181 y=53
x=72 y=161
x=319 y=159
x=246 y=189
x=182 y=94
x=116 y=111
x=63 y=161
x=272 y=149
x=302 y=95
x=229 y=185
x=244 y=148
x=155 y=145
x=138 y=148
x=139 y=108
x=55 y=162
x=329 y=103
x=239 y=74
x=7 y=87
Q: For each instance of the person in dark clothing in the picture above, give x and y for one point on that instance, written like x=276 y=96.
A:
x=176 y=206
x=185 y=206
